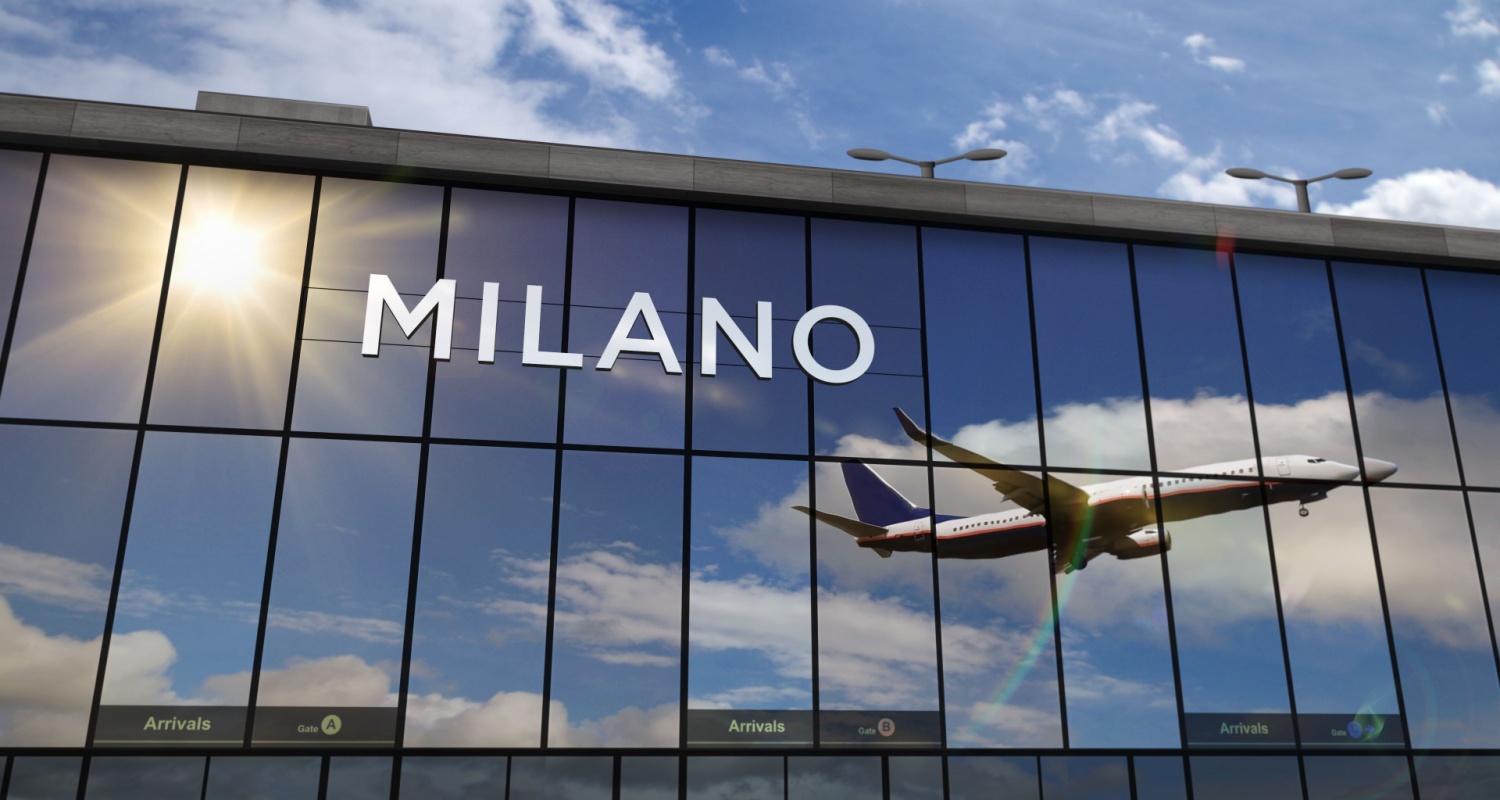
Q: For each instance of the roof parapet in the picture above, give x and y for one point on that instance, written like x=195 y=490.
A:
x=307 y=110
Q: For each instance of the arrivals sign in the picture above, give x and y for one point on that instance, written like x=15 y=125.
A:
x=443 y=296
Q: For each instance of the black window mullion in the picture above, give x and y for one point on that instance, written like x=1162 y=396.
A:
x=1364 y=486
x=1166 y=572
x=557 y=482
x=1052 y=550
x=135 y=464
x=812 y=497
x=418 y=513
x=286 y=443
x=687 y=485
x=15 y=298
x=1265 y=509
x=1484 y=593
x=932 y=523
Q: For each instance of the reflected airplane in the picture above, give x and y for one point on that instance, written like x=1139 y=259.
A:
x=1116 y=517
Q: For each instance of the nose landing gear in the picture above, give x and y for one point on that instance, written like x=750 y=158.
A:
x=1302 y=510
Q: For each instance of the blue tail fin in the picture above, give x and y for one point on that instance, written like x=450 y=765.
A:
x=875 y=502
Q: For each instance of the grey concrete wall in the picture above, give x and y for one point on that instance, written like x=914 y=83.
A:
x=211 y=137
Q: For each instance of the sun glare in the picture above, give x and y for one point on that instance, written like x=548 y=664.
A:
x=219 y=257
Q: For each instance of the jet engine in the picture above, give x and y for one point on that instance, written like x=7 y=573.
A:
x=1142 y=543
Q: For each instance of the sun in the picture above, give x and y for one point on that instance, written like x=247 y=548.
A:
x=215 y=256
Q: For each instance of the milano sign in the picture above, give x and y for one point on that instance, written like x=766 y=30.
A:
x=440 y=300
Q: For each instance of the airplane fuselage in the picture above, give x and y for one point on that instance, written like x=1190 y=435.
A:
x=1117 y=508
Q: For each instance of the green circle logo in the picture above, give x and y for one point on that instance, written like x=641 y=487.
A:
x=332 y=724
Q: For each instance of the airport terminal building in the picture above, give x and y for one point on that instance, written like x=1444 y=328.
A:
x=340 y=461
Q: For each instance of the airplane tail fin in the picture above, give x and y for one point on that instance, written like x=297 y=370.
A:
x=875 y=501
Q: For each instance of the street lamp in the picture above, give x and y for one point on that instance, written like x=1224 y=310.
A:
x=1353 y=173
x=982 y=154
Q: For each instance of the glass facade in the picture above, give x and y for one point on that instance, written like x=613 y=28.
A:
x=1098 y=519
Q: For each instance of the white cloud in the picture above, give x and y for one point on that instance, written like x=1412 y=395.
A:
x=53 y=580
x=445 y=65
x=1449 y=197
x=1468 y=18
x=1226 y=63
x=600 y=41
x=1437 y=114
x=776 y=77
x=982 y=131
x=1200 y=45
x=1213 y=186
x=365 y=629
x=1488 y=73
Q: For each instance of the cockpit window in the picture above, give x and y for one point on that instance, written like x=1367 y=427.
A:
x=1316 y=460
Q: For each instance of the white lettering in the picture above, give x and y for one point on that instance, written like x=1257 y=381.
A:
x=488 y=311
x=383 y=295
x=802 y=344
x=716 y=319
x=621 y=341
x=532 y=353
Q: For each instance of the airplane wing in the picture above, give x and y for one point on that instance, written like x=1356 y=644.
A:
x=1018 y=487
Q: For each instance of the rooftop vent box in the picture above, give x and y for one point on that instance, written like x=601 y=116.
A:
x=251 y=106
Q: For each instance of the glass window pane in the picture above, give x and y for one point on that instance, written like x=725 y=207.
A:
x=359 y=779
x=338 y=596
x=480 y=631
x=18 y=173
x=1199 y=414
x=191 y=588
x=870 y=268
x=514 y=240
x=365 y=228
x=1117 y=663
x=750 y=620
x=1393 y=371
x=618 y=623
x=1437 y=614
x=226 y=347
x=833 y=778
x=1296 y=374
x=454 y=778
x=1357 y=778
x=999 y=654
x=648 y=778
x=916 y=777
x=620 y=249
x=979 y=343
x=865 y=678
x=1458 y=777
x=743 y=259
x=1159 y=778
x=250 y=778
x=988 y=777
x=62 y=497
x=1090 y=365
x=1463 y=305
x=735 y=778
x=128 y=778
x=93 y=285
x=1085 y=778
x=561 y=778
x=1245 y=777
x=44 y=778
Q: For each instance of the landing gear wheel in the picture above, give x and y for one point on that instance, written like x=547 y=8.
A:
x=1302 y=511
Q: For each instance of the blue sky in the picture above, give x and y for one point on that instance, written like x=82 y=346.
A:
x=1150 y=99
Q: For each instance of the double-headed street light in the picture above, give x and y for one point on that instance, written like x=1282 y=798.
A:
x=1353 y=173
x=983 y=154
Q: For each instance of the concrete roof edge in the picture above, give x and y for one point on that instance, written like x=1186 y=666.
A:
x=149 y=130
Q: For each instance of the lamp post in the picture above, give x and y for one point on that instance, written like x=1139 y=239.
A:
x=982 y=154
x=1353 y=173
